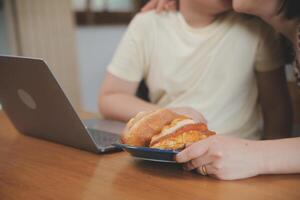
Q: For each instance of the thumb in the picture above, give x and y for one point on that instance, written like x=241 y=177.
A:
x=193 y=151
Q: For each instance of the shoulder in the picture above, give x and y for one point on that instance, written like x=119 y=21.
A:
x=146 y=17
x=152 y=19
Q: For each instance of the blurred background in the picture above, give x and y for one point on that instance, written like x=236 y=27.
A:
x=77 y=38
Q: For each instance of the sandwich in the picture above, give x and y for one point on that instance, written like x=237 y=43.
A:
x=163 y=129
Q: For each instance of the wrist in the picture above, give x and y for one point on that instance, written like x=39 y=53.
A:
x=265 y=156
x=259 y=158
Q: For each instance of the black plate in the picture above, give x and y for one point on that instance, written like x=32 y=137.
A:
x=151 y=154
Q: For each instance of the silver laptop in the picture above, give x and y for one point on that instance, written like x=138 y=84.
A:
x=37 y=106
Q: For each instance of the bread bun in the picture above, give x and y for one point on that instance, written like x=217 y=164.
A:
x=140 y=129
x=179 y=133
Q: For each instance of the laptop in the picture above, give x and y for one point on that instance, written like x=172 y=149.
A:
x=37 y=106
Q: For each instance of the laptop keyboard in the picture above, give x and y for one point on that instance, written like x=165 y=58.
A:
x=104 y=139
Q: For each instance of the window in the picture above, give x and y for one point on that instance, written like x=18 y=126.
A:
x=106 y=11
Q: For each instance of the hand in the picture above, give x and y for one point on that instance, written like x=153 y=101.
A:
x=160 y=5
x=190 y=112
x=224 y=157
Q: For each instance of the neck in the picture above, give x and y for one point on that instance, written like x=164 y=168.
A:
x=268 y=11
x=194 y=15
x=286 y=27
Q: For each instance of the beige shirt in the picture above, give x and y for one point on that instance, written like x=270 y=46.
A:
x=210 y=69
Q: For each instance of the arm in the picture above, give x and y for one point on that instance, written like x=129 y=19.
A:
x=229 y=158
x=117 y=99
x=280 y=156
x=116 y=91
x=275 y=102
x=128 y=67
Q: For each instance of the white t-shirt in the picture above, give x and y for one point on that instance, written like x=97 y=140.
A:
x=211 y=69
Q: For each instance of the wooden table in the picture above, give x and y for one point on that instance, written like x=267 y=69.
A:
x=35 y=169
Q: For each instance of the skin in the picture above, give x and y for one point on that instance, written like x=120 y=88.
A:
x=267 y=10
x=229 y=158
x=116 y=91
x=275 y=104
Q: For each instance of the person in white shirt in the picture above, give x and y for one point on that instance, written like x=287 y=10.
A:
x=219 y=63
x=230 y=158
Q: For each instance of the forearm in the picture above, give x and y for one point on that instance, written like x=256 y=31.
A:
x=278 y=123
x=279 y=156
x=122 y=107
x=276 y=104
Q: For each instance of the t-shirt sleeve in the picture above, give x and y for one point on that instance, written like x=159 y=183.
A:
x=131 y=58
x=269 y=53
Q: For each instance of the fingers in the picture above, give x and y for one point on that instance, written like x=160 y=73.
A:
x=201 y=118
x=209 y=170
x=199 y=162
x=171 y=6
x=193 y=151
x=161 y=5
x=197 y=116
x=190 y=112
x=150 y=5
